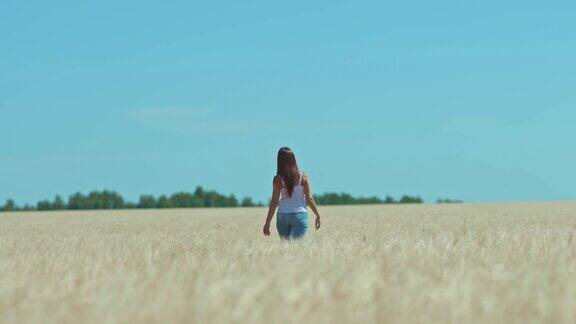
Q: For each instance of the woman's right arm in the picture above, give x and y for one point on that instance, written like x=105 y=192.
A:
x=273 y=204
x=310 y=200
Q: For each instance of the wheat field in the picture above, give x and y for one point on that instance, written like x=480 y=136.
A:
x=466 y=263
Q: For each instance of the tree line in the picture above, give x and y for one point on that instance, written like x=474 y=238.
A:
x=347 y=199
x=107 y=199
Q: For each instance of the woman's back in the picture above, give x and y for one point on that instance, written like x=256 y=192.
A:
x=294 y=203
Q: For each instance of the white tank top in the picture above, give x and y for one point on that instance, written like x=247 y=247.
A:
x=294 y=204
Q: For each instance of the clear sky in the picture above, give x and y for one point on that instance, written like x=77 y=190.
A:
x=473 y=100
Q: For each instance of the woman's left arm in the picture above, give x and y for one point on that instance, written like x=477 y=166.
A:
x=273 y=205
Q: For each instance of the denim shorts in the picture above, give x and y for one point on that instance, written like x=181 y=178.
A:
x=292 y=225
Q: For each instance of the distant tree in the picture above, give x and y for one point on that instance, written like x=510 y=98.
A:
x=130 y=205
x=163 y=202
x=105 y=200
x=231 y=201
x=147 y=201
x=113 y=200
x=58 y=203
x=213 y=199
x=247 y=202
x=78 y=201
x=209 y=199
x=344 y=199
x=327 y=199
x=96 y=200
x=43 y=205
x=369 y=200
x=185 y=199
x=411 y=200
x=9 y=205
x=389 y=200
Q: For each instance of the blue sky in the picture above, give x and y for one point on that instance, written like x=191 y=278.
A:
x=463 y=99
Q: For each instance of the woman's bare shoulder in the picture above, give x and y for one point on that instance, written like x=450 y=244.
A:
x=305 y=177
x=276 y=180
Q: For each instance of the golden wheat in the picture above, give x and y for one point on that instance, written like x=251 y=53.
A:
x=367 y=264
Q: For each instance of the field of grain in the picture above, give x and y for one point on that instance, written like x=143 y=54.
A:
x=367 y=264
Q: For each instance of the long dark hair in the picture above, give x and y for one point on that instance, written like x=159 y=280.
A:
x=288 y=169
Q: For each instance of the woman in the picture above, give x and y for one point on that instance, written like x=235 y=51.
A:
x=290 y=193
